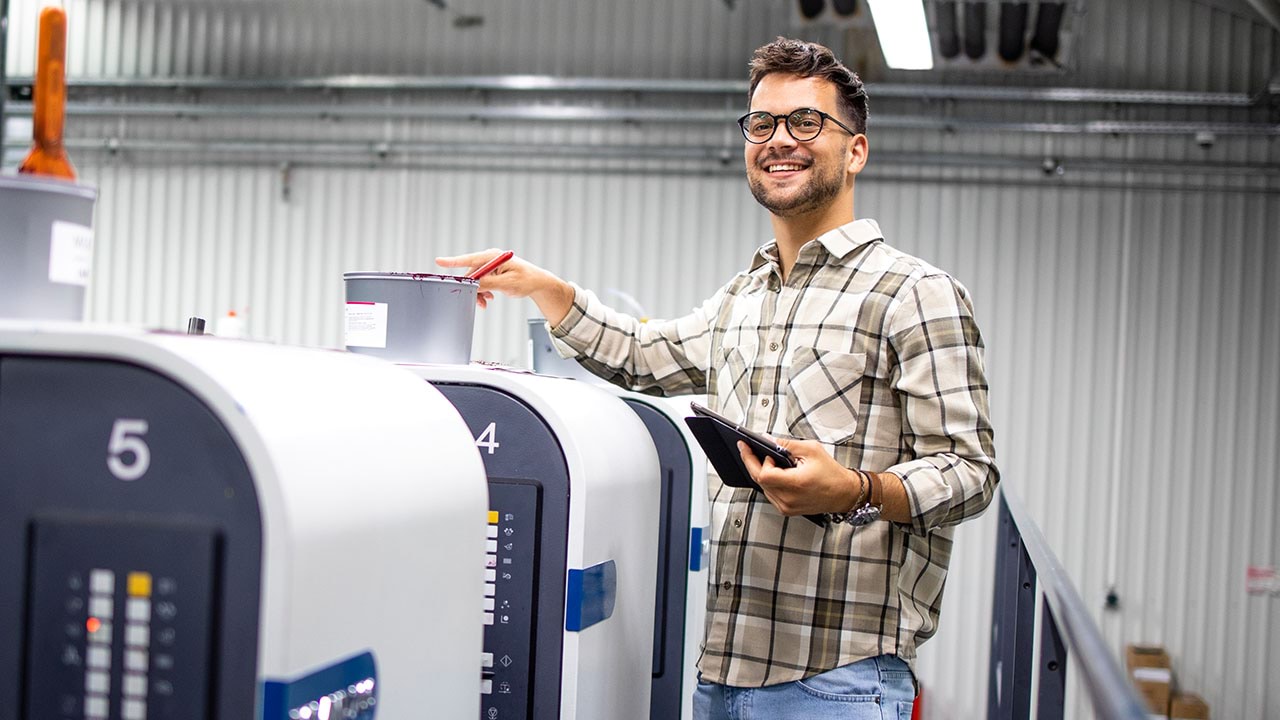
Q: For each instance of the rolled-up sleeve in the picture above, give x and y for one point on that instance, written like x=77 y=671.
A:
x=942 y=387
x=666 y=356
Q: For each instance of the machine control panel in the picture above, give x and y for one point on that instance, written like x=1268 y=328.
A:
x=130 y=544
x=120 y=620
x=510 y=599
x=529 y=491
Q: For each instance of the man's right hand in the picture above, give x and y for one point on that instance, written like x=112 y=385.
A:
x=517 y=278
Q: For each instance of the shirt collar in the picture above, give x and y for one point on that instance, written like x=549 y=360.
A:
x=842 y=242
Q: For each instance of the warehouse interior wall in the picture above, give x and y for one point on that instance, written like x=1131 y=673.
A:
x=1131 y=343
x=1123 y=276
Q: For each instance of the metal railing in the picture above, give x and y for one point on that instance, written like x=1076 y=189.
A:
x=1025 y=564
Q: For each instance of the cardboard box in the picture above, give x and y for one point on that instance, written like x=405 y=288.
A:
x=1188 y=706
x=1152 y=674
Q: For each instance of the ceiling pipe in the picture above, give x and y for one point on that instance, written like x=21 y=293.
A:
x=657 y=115
x=539 y=83
x=273 y=151
x=664 y=159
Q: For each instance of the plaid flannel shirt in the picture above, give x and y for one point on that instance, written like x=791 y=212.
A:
x=875 y=354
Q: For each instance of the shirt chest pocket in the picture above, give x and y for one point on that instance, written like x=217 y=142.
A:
x=733 y=383
x=824 y=389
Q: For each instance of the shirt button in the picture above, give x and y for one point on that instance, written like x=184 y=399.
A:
x=726 y=585
x=737 y=522
x=773 y=346
x=764 y=402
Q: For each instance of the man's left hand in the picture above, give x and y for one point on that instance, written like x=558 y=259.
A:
x=817 y=484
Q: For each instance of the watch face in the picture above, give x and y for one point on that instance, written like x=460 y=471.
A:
x=865 y=515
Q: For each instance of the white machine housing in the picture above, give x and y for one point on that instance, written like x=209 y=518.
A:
x=372 y=501
x=612 y=511
x=695 y=608
x=545 y=358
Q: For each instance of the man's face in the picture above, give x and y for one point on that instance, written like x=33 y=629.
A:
x=792 y=178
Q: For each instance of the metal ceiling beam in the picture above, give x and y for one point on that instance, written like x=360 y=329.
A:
x=545 y=83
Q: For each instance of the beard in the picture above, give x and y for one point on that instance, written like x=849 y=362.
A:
x=823 y=186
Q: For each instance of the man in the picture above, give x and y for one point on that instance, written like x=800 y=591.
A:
x=865 y=362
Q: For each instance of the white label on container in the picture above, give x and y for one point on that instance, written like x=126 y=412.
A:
x=70 y=253
x=1151 y=674
x=366 y=324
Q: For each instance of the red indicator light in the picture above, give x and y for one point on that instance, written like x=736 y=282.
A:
x=92 y=625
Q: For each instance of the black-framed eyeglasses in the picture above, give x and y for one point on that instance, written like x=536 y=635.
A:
x=803 y=124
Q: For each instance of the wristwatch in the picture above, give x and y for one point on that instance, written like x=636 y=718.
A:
x=866 y=513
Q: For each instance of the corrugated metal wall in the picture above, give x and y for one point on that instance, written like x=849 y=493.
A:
x=1131 y=320
x=1132 y=341
x=176 y=242
x=1202 y=419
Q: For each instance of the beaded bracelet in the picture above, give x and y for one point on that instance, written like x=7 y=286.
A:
x=864 y=497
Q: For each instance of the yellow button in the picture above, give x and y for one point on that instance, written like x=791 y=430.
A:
x=139 y=584
x=493 y=517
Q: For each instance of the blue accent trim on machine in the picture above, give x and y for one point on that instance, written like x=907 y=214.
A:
x=695 y=549
x=590 y=596
x=350 y=687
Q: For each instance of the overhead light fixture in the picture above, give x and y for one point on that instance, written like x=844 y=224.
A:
x=903 y=33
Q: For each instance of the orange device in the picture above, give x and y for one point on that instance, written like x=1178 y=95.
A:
x=48 y=156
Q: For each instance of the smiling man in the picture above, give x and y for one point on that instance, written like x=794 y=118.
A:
x=865 y=362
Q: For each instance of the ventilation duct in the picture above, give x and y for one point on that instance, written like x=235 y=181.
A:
x=810 y=9
x=1008 y=35
x=975 y=30
x=1045 y=41
x=1013 y=30
x=844 y=8
x=948 y=29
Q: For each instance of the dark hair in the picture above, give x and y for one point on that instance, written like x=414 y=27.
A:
x=807 y=59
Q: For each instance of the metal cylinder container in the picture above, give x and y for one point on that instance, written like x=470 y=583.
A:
x=411 y=317
x=544 y=360
x=46 y=247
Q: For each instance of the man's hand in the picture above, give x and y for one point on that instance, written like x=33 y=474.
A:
x=817 y=484
x=517 y=278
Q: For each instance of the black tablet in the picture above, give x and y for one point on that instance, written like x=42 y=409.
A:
x=719 y=438
x=763 y=445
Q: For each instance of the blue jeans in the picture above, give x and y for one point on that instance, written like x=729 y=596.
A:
x=878 y=688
